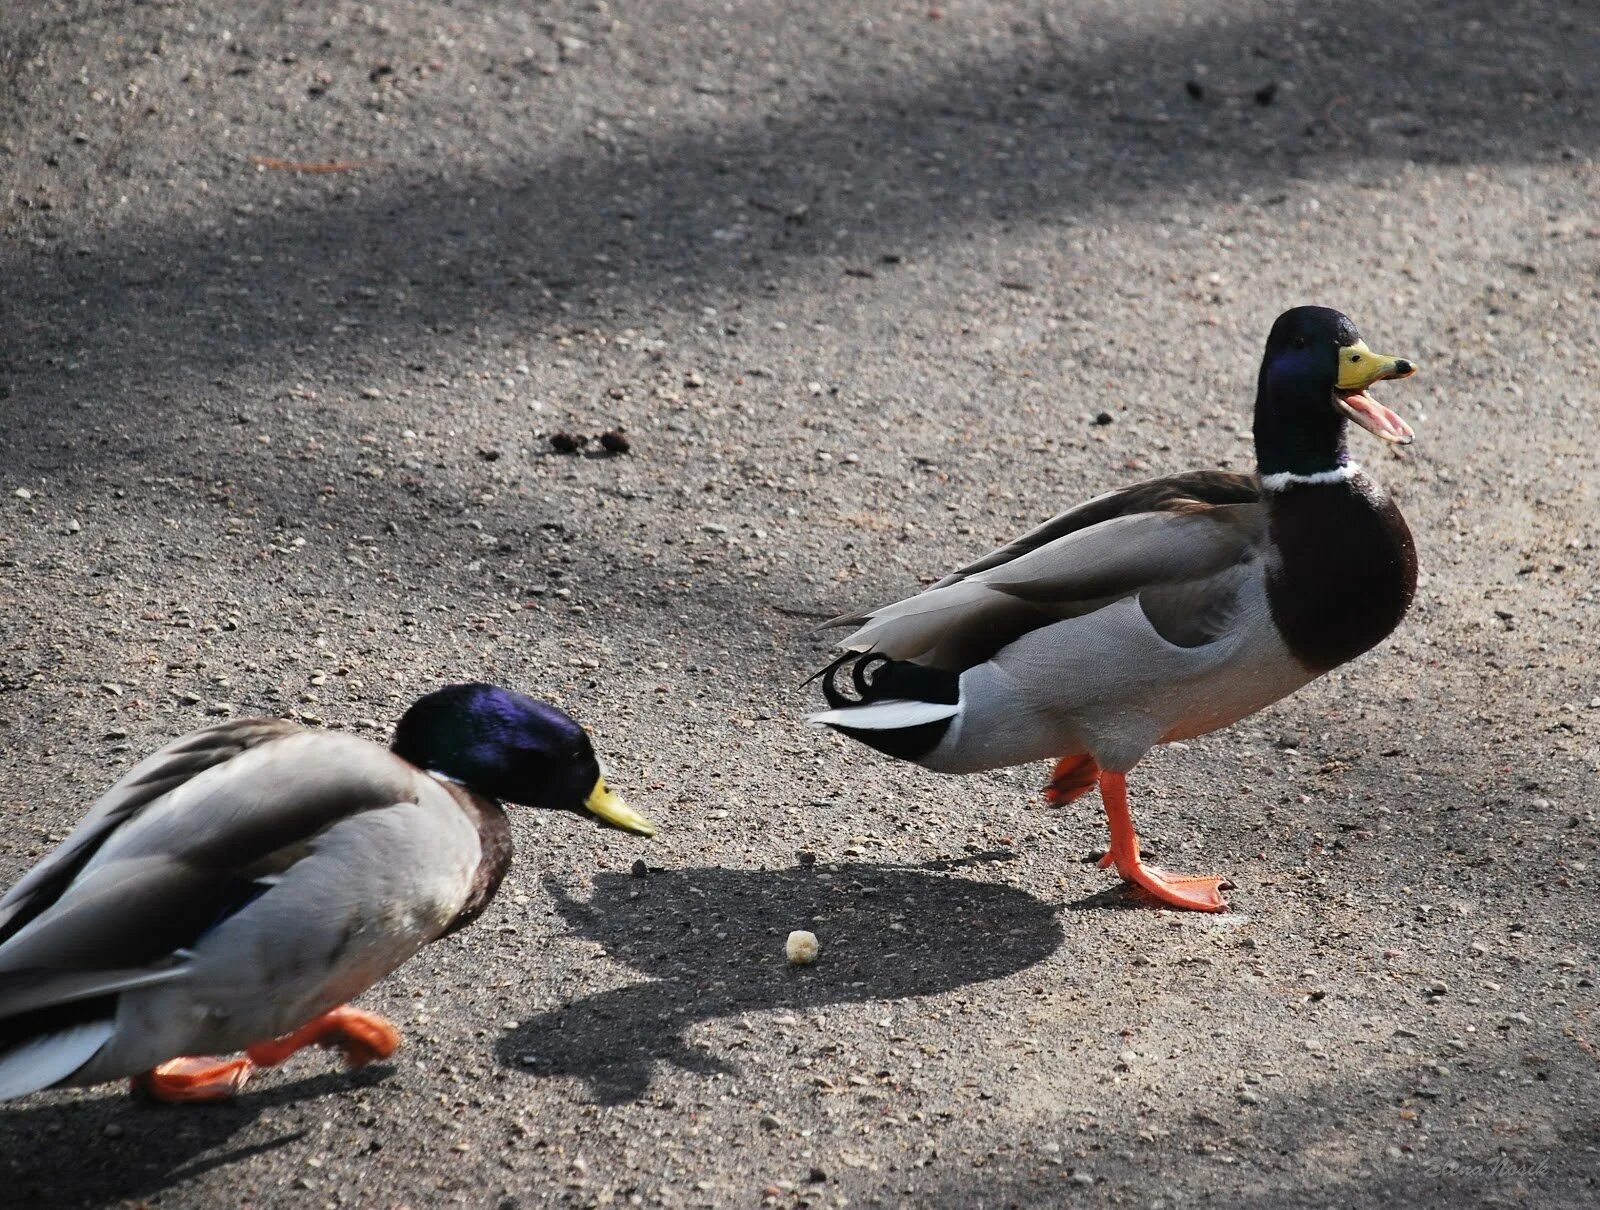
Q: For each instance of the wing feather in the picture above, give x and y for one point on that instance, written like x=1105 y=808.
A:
x=1078 y=572
x=151 y=779
x=1189 y=492
x=24 y=991
x=165 y=874
x=1173 y=493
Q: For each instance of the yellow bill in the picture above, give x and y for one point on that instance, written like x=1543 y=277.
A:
x=1359 y=368
x=610 y=808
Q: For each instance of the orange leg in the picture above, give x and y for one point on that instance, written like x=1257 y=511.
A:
x=1196 y=892
x=361 y=1036
x=1073 y=777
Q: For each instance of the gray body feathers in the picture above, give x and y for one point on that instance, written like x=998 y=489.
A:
x=1139 y=617
x=232 y=886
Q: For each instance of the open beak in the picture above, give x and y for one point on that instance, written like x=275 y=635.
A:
x=1359 y=368
x=612 y=810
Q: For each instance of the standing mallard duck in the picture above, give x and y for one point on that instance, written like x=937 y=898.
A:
x=1157 y=612
x=237 y=887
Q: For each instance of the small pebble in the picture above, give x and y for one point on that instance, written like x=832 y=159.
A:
x=567 y=443
x=615 y=441
x=801 y=948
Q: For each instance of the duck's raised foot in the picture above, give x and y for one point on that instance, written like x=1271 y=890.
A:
x=194 y=1079
x=1071 y=779
x=361 y=1037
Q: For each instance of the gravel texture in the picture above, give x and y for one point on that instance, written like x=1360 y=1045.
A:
x=303 y=301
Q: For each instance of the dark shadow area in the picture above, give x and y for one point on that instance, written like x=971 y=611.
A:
x=713 y=941
x=118 y=1149
x=1446 y=1173
x=1080 y=120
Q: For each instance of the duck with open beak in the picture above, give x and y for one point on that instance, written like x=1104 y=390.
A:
x=1155 y=612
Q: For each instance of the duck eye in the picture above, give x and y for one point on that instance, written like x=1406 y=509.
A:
x=1299 y=342
x=1355 y=357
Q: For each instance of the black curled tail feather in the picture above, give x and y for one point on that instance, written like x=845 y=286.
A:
x=877 y=678
x=829 y=690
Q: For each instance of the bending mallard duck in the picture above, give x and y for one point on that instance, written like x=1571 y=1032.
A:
x=237 y=887
x=1154 y=613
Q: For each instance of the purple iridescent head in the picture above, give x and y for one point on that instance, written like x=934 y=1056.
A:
x=509 y=747
x=1314 y=377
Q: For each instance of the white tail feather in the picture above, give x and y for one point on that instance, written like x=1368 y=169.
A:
x=41 y=1062
x=885 y=716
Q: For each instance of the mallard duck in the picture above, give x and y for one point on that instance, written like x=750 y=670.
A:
x=1155 y=612
x=241 y=884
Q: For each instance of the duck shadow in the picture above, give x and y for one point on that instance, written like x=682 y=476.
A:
x=117 y=1148
x=713 y=941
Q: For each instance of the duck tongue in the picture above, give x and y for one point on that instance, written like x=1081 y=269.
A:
x=1373 y=416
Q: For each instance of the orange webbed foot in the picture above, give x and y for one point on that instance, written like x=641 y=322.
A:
x=194 y=1079
x=1072 y=778
x=361 y=1037
x=1190 y=892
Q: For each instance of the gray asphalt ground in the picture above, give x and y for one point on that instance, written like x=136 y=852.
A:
x=855 y=280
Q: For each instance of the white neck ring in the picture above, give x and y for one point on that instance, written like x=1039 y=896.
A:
x=1280 y=480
